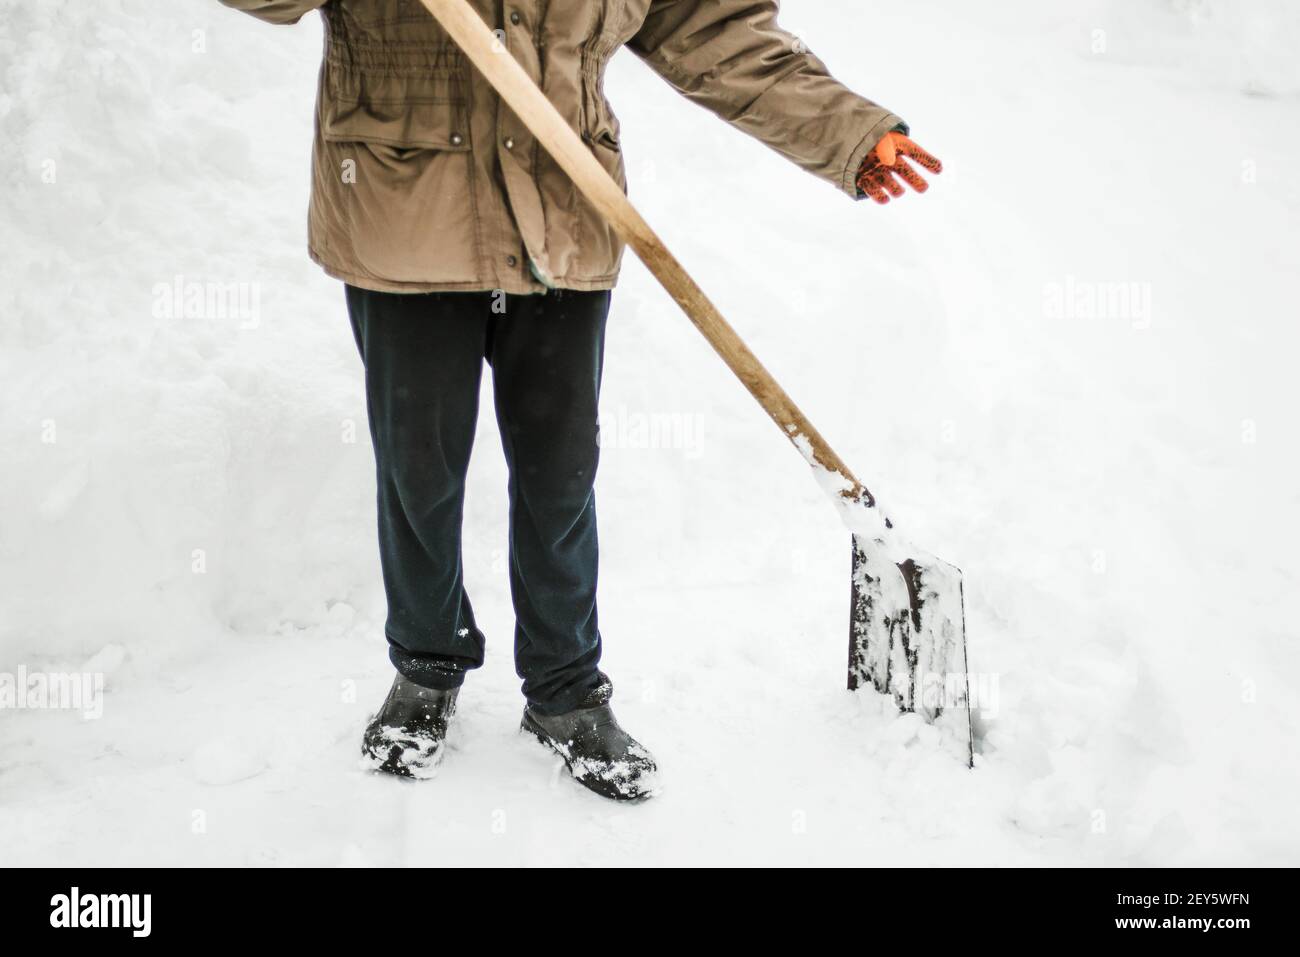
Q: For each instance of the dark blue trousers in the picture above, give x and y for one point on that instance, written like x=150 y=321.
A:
x=423 y=356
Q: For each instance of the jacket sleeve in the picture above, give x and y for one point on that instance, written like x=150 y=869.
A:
x=732 y=57
x=276 y=11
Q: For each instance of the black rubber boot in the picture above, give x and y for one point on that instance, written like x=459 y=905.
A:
x=599 y=754
x=409 y=734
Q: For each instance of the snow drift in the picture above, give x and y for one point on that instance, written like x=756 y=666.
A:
x=1071 y=377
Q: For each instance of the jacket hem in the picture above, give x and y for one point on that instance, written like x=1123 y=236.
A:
x=514 y=287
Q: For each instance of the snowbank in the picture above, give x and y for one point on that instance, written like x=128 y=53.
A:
x=1072 y=378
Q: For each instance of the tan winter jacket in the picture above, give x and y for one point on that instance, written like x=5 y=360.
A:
x=423 y=181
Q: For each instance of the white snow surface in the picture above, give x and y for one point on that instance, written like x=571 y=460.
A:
x=187 y=503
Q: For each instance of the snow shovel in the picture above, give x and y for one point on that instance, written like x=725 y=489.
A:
x=907 y=631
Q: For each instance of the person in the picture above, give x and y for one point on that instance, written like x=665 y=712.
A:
x=461 y=241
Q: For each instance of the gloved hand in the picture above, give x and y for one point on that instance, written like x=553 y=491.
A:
x=886 y=161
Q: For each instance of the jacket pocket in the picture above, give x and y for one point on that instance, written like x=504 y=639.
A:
x=403 y=205
x=599 y=126
x=607 y=138
x=600 y=129
x=596 y=242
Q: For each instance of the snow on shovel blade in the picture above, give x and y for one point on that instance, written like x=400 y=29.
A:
x=908 y=638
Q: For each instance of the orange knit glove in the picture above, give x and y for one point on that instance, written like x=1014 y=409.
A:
x=886 y=161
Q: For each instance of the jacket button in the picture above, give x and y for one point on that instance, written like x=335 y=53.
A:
x=515 y=18
x=457 y=139
x=510 y=143
x=512 y=262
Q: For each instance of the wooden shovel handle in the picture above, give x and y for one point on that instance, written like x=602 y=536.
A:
x=532 y=107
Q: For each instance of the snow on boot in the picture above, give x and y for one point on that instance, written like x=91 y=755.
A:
x=408 y=735
x=598 y=753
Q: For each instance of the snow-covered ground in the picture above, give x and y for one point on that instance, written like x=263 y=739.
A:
x=1069 y=369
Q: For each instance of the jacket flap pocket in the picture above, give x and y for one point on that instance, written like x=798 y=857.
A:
x=408 y=112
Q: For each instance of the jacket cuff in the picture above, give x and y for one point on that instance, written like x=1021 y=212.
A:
x=849 y=182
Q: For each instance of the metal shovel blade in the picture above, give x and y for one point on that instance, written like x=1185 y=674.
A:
x=911 y=643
